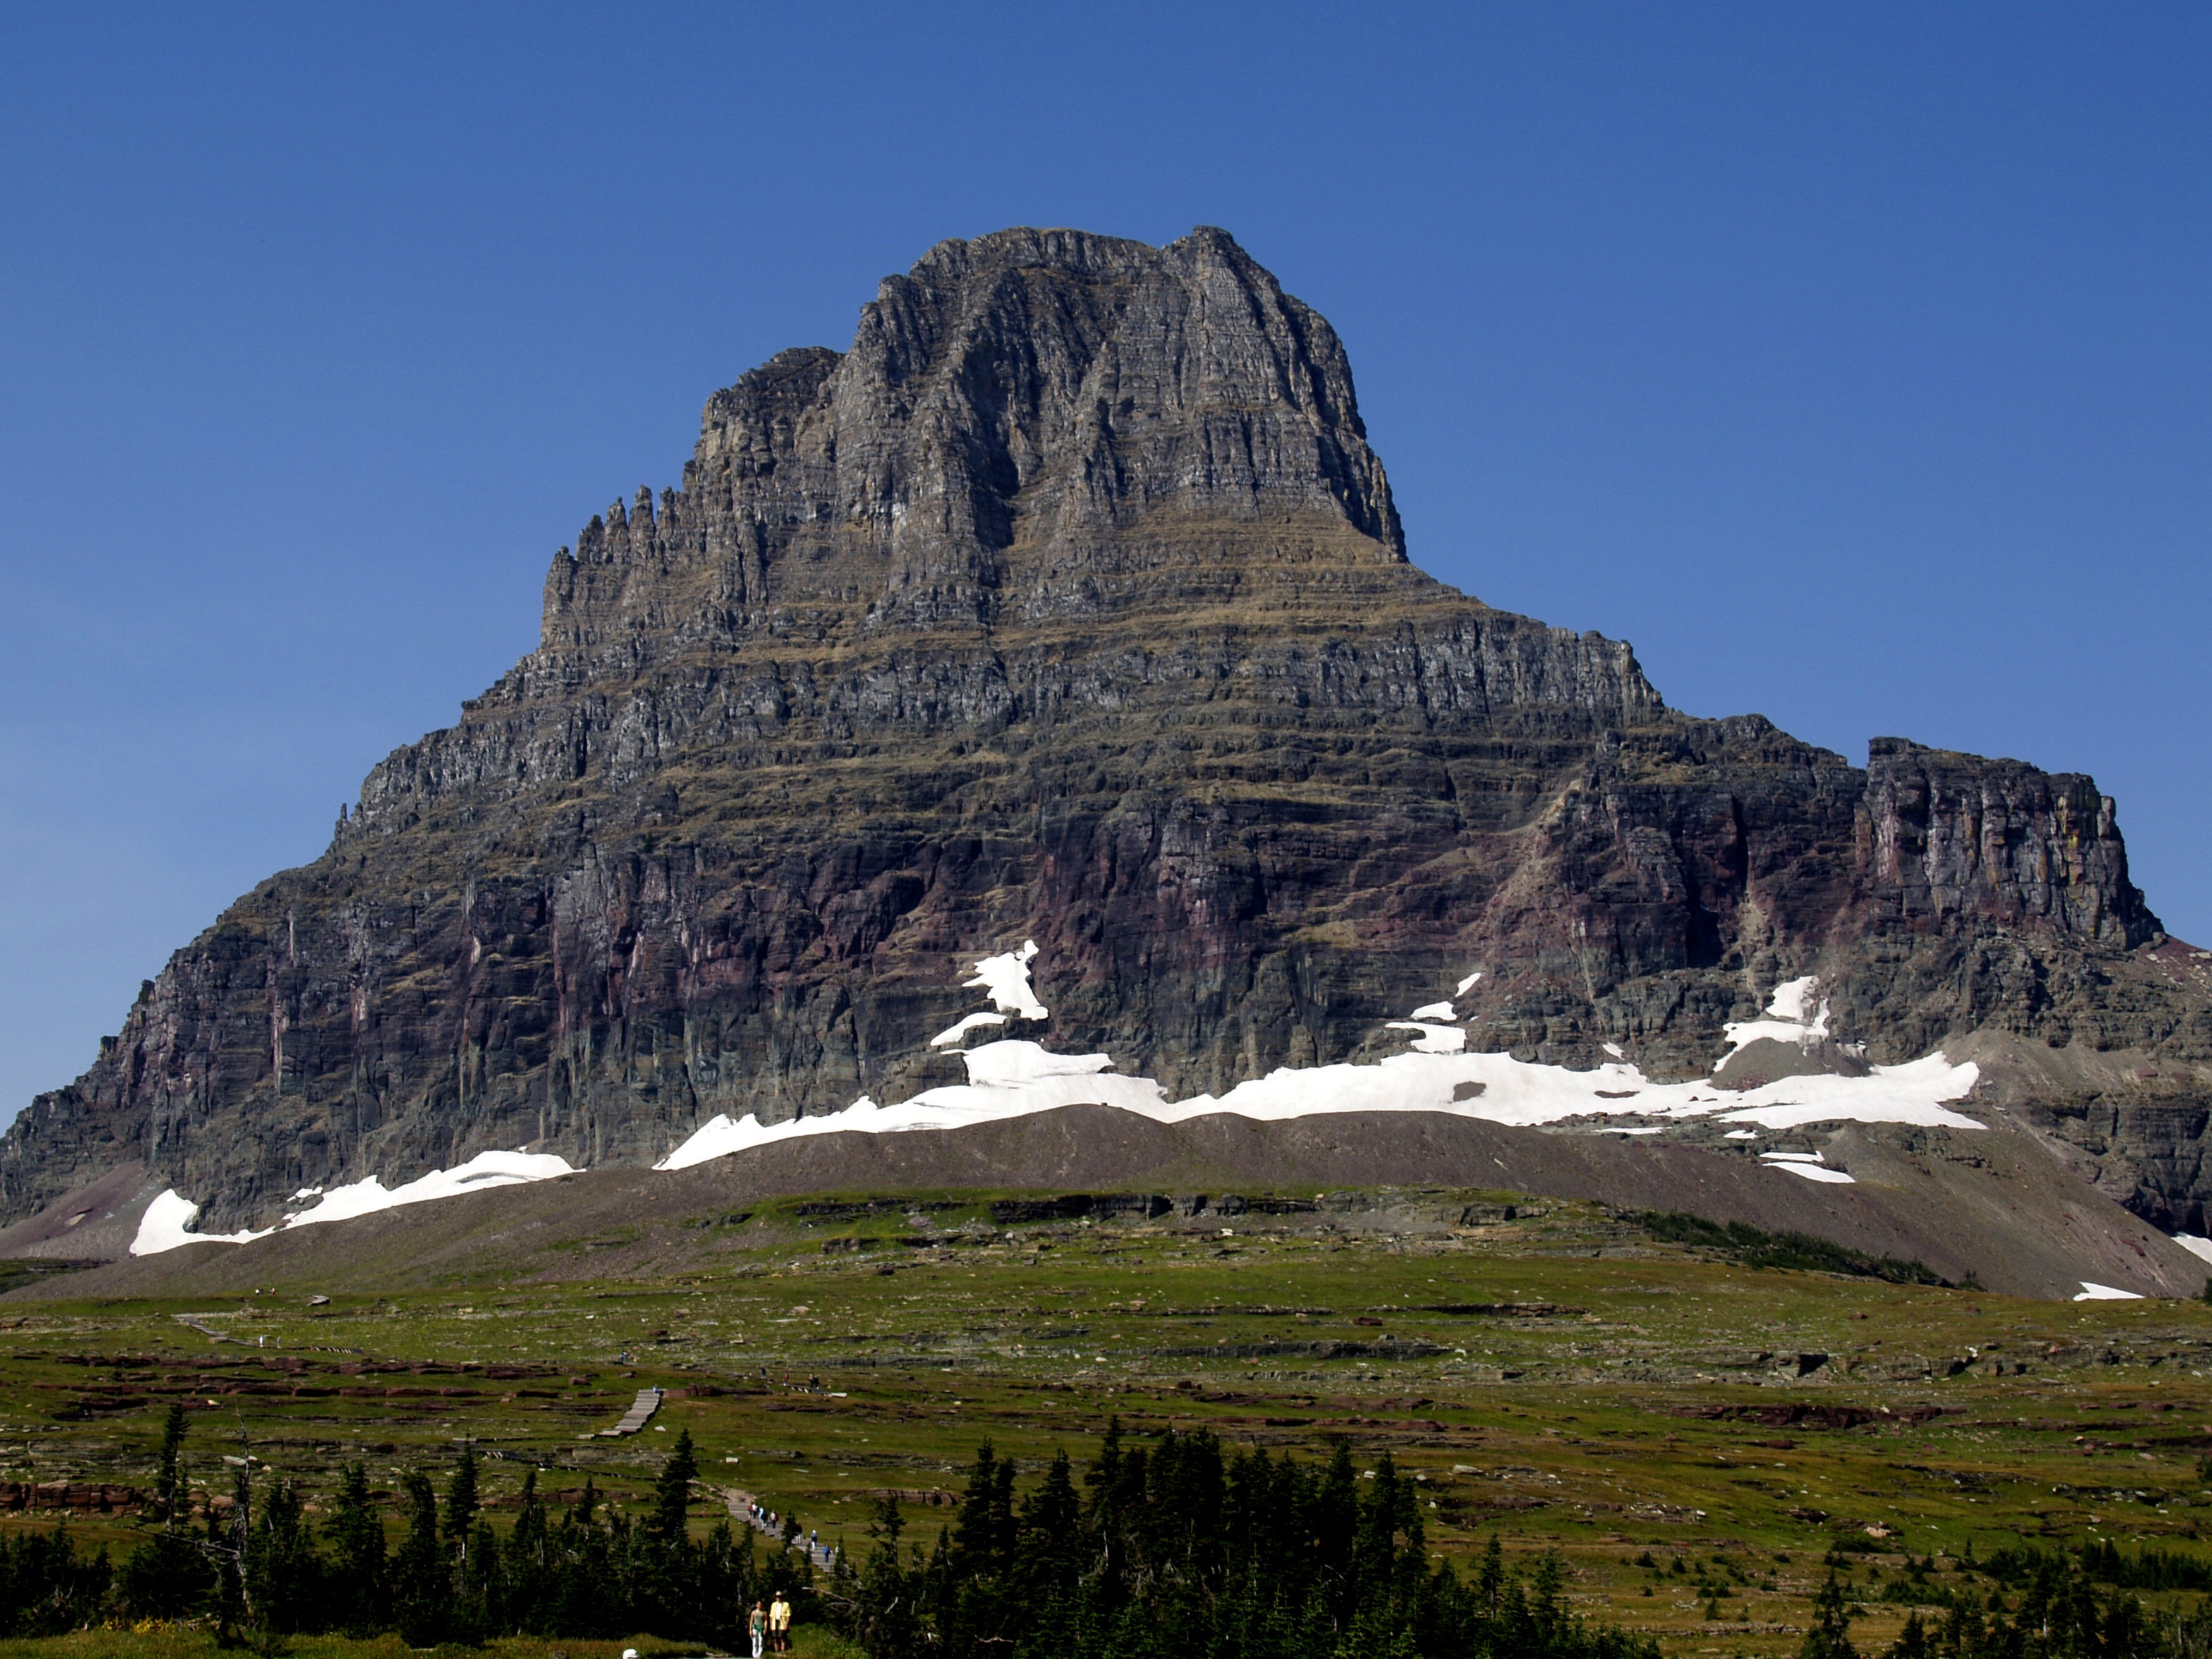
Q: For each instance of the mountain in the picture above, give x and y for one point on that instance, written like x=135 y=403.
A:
x=1070 y=604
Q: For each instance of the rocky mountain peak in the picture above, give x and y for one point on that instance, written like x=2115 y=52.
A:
x=1070 y=604
x=1009 y=407
x=1038 y=382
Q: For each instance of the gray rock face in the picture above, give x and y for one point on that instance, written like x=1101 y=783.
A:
x=1070 y=604
x=1955 y=833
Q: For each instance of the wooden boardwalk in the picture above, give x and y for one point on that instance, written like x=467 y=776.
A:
x=639 y=1414
x=823 y=1556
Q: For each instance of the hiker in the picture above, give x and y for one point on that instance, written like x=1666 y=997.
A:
x=778 y=1623
x=758 y=1625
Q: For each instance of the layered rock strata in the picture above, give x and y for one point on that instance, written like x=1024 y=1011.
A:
x=1069 y=603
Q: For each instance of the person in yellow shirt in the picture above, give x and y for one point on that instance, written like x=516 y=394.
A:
x=778 y=1624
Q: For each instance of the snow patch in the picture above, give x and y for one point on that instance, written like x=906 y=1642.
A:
x=1433 y=1011
x=1009 y=1065
x=1741 y=1134
x=1791 y=997
x=2194 y=1245
x=953 y=1033
x=1787 y=1021
x=1911 y=1093
x=165 y=1226
x=1007 y=979
x=484 y=1169
x=722 y=1134
x=1614 y=1049
x=1468 y=983
x=2092 y=1291
x=1005 y=1079
x=1434 y=1039
x=1815 y=1172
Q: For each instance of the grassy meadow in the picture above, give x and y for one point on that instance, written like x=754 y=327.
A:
x=1696 y=1435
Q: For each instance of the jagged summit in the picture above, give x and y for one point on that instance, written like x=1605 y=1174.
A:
x=1018 y=419
x=1035 y=433
x=1071 y=603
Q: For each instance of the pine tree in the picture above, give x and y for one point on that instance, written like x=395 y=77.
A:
x=165 y=1479
x=167 y=1577
x=356 y=1570
x=528 y=1559
x=283 y=1575
x=1049 y=1553
x=422 y=1587
x=1336 y=1524
x=975 y=1534
x=1828 y=1637
x=671 y=1493
x=476 y=1603
x=461 y=1503
x=886 y=1613
x=1490 y=1582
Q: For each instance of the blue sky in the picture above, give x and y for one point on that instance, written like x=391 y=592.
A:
x=1851 y=360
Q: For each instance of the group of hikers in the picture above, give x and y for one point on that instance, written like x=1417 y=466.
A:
x=769 y=1522
x=771 y=1626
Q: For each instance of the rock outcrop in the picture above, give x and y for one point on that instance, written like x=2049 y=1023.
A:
x=1069 y=603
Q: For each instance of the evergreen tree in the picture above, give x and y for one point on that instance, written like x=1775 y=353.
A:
x=671 y=1493
x=476 y=1605
x=167 y=1577
x=1181 y=1549
x=422 y=1589
x=1335 y=1517
x=1911 y=1641
x=165 y=1488
x=47 y=1588
x=1049 y=1552
x=1828 y=1637
x=461 y=1503
x=356 y=1571
x=528 y=1560
x=883 y=1616
x=1490 y=1582
x=282 y=1574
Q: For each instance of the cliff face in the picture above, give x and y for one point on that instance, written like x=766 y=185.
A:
x=1070 y=604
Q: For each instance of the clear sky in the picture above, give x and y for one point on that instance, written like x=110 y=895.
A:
x=1850 y=360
